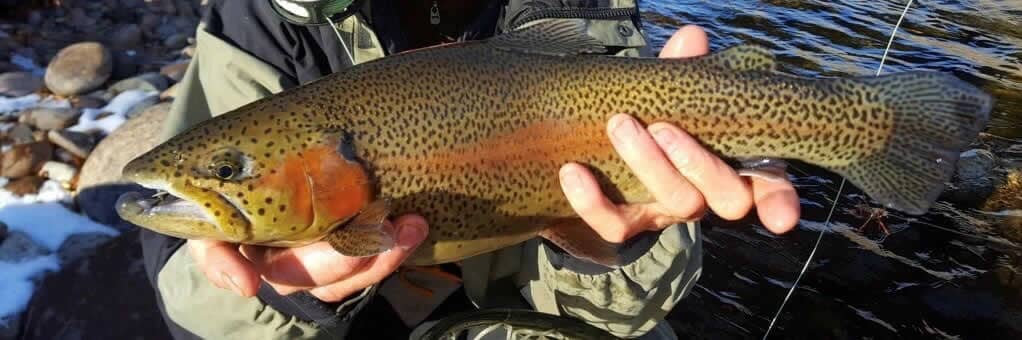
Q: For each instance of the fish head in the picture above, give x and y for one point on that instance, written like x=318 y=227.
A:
x=286 y=187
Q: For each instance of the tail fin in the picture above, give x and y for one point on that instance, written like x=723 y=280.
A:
x=936 y=116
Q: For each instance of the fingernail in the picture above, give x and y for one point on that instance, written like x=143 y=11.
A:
x=410 y=235
x=571 y=181
x=624 y=128
x=665 y=137
x=227 y=278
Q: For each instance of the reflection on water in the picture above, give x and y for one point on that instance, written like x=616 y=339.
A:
x=953 y=273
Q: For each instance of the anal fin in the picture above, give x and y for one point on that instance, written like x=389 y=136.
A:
x=577 y=238
x=367 y=234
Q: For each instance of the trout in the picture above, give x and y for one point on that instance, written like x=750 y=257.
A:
x=472 y=135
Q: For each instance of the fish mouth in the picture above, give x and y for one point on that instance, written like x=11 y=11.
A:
x=168 y=213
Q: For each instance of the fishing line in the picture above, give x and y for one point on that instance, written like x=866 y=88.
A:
x=837 y=196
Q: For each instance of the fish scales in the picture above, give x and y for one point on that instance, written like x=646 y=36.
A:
x=472 y=136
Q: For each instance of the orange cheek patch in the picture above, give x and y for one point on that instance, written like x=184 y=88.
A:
x=340 y=188
x=290 y=178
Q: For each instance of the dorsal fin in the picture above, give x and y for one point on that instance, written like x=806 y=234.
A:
x=745 y=57
x=556 y=38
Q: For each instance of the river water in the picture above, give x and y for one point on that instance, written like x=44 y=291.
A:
x=953 y=273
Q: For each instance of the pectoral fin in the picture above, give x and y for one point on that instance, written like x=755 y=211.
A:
x=577 y=238
x=770 y=169
x=367 y=234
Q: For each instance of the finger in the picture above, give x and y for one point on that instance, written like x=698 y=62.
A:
x=689 y=41
x=411 y=234
x=224 y=266
x=777 y=204
x=642 y=154
x=288 y=270
x=724 y=191
x=611 y=222
x=293 y=269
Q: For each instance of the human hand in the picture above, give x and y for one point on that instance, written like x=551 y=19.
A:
x=683 y=176
x=316 y=268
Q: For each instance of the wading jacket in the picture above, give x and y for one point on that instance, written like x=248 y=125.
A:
x=244 y=52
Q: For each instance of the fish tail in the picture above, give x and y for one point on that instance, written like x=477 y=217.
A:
x=936 y=116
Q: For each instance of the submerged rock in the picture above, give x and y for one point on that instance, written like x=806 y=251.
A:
x=975 y=178
x=79 y=68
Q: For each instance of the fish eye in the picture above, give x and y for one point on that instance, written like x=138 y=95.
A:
x=228 y=164
x=225 y=171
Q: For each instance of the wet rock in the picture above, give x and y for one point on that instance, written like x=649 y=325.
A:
x=975 y=163
x=79 y=144
x=79 y=68
x=165 y=30
x=57 y=171
x=18 y=247
x=80 y=20
x=126 y=36
x=177 y=40
x=126 y=63
x=88 y=102
x=175 y=71
x=20 y=134
x=103 y=295
x=35 y=18
x=17 y=84
x=46 y=118
x=25 y=159
x=28 y=185
x=151 y=81
x=79 y=245
x=130 y=140
x=149 y=23
x=974 y=180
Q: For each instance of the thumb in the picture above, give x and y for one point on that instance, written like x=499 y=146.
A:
x=689 y=41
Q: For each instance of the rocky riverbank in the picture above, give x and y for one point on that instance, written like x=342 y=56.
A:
x=84 y=86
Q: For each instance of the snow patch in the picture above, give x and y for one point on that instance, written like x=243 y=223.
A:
x=16 y=287
x=117 y=110
x=49 y=223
